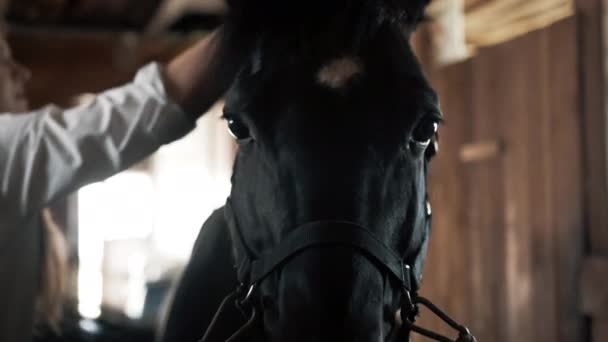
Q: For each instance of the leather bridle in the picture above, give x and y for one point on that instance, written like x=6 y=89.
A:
x=252 y=271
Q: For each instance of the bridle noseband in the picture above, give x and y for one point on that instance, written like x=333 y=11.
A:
x=252 y=271
x=326 y=233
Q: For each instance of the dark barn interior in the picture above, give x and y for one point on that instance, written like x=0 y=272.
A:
x=519 y=245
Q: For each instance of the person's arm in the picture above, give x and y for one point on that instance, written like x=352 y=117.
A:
x=51 y=152
x=207 y=68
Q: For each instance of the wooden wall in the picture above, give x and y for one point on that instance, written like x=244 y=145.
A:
x=507 y=191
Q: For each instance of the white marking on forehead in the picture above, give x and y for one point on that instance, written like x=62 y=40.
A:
x=338 y=72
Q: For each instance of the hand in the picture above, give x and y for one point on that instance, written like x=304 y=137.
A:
x=199 y=76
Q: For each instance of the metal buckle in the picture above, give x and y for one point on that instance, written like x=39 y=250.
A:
x=409 y=310
x=249 y=293
x=466 y=336
x=246 y=299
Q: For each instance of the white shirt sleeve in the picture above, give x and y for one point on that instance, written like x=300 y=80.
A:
x=51 y=152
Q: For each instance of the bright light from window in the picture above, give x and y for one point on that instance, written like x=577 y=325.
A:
x=118 y=208
x=137 y=286
x=179 y=222
x=148 y=222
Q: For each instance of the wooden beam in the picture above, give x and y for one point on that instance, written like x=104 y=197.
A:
x=86 y=62
x=120 y=47
x=494 y=22
x=565 y=174
x=449 y=38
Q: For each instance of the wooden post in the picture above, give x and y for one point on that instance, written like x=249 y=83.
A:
x=593 y=87
x=593 y=53
x=449 y=40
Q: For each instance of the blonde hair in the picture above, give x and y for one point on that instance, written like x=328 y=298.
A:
x=53 y=279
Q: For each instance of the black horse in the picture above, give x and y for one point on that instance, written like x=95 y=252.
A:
x=328 y=219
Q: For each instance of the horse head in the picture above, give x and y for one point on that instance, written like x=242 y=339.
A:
x=336 y=125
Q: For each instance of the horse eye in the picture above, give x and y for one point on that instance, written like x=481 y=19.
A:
x=425 y=131
x=237 y=129
x=432 y=149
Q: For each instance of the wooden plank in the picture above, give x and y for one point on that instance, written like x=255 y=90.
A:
x=480 y=151
x=543 y=299
x=594 y=287
x=566 y=175
x=521 y=87
x=593 y=50
x=535 y=223
x=434 y=268
x=457 y=131
x=486 y=214
x=592 y=71
x=446 y=273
